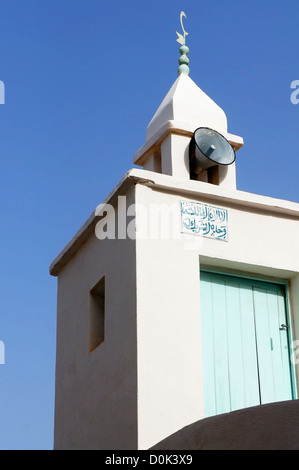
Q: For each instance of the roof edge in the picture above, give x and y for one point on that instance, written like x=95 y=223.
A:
x=191 y=189
x=82 y=235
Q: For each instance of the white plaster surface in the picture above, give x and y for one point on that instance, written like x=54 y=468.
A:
x=168 y=289
x=144 y=382
x=96 y=393
x=186 y=102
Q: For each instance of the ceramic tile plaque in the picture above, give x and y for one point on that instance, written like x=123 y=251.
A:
x=204 y=220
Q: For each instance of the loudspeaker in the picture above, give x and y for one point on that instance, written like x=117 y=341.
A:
x=209 y=148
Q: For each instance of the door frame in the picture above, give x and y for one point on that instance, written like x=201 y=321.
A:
x=270 y=280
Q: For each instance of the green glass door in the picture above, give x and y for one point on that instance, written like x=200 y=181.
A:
x=245 y=343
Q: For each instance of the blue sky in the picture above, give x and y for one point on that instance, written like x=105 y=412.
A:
x=82 y=80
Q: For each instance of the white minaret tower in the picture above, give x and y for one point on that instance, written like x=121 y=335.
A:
x=184 y=109
x=178 y=299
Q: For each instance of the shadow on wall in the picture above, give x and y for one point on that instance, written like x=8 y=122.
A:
x=273 y=426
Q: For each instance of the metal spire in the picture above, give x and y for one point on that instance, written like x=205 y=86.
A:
x=184 y=50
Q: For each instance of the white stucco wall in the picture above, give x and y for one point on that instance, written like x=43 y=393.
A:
x=144 y=382
x=261 y=242
x=96 y=393
x=168 y=331
x=186 y=102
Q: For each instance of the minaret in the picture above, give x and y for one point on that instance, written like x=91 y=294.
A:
x=178 y=298
x=184 y=109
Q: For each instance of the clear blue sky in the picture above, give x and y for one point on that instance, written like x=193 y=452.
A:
x=83 y=79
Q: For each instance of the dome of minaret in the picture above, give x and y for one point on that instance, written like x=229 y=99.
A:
x=187 y=103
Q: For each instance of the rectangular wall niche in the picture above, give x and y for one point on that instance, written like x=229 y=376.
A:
x=96 y=316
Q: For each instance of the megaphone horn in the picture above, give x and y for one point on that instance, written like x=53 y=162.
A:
x=209 y=148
